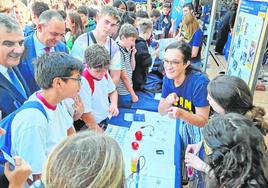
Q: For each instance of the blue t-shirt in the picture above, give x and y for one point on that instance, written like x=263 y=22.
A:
x=197 y=41
x=192 y=92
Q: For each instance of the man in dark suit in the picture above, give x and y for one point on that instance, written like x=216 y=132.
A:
x=47 y=38
x=13 y=88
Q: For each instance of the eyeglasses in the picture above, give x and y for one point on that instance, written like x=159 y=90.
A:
x=172 y=63
x=79 y=79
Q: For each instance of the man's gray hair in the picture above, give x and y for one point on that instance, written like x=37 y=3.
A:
x=48 y=15
x=9 y=23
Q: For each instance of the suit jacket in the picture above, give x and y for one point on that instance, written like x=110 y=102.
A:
x=10 y=97
x=26 y=67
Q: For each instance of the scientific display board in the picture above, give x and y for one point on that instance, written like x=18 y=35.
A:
x=249 y=40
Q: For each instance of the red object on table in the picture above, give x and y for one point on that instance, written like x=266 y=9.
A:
x=135 y=145
x=138 y=135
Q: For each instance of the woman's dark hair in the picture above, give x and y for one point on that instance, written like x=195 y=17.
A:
x=78 y=27
x=117 y=3
x=233 y=95
x=187 y=53
x=239 y=155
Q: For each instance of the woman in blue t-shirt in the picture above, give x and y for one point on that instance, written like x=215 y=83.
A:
x=193 y=35
x=184 y=92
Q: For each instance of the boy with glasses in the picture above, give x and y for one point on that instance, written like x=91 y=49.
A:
x=107 y=24
x=33 y=135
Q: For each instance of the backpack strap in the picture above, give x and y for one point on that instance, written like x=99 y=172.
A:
x=92 y=38
x=95 y=41
x=33 y=104
x=90 y=80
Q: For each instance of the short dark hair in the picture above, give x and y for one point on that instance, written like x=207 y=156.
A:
x=39 y=7
x=82 y=10
x=52 y=65
x=166 y=5
x=96 y=56
x=92 y=12
x=189 y=5
x=142 y=14
x=186 y=50
x=131 y=6
x=117 y=3
x=62 y=13
x=155 y=13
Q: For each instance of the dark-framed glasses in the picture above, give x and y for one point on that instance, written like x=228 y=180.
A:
x=79 y=79
x=172 y=63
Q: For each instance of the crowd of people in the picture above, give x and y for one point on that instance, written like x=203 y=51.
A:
x=82 y=62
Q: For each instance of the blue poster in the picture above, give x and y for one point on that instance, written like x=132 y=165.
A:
x=246 y=37
x=176 y=10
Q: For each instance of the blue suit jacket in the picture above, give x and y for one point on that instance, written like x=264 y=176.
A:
x=26 y=67
x=10 y=97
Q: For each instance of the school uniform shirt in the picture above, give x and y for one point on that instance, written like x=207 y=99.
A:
x=98 y=102
x=34 y=136
x=84 y=40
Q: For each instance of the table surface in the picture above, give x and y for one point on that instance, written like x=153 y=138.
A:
x=160 y=169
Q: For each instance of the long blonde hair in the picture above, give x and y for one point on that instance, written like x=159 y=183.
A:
x=85 y=160
x=190 y=26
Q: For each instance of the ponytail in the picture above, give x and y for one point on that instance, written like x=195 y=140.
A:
x=257 y=113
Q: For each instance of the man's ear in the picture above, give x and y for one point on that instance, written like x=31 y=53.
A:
x=39 y=27
x=56 y=83
x=97 y=18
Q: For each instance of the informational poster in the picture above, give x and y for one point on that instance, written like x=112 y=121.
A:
x=247 y=39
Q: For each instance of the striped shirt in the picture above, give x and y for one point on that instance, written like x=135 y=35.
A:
x=126 y=65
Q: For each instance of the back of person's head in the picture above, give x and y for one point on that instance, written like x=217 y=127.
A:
x=145 y=25
x=128 y=17
x=96 y=56
x=49 y=15
x=190 y=6
x=186 y=50
x=92 y=13
x=53 y=65
x=190 y=24
x=131 y=6
x=155 y=13
x=87 y=159
x=110 y=11
x=234 y=95
x=128 y=30
x=142 y=14
x=9 y=23
x=120 y=5
x=238 y=153
x=39 y=7
x=82 y=10
x=166 y=5
x=63 y=14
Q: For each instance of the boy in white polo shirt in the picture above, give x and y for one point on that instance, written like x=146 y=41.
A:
x=97 y=86
x=34 y=135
